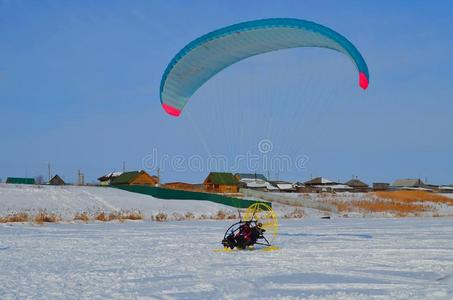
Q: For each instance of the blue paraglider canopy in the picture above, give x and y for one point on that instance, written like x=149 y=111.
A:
x=204 y=57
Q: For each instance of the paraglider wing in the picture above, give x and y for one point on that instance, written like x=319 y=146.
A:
x=209 y=54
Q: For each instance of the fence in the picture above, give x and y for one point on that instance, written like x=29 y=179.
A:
x=162 y=193
x=288 y=200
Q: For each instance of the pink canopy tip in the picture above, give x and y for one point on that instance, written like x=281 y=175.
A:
x=171 y=110
x=363 y=80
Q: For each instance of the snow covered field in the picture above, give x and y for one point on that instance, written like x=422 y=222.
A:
x=410 y=258
x=66 y=201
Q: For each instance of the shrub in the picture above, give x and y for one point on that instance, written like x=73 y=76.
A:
x=161 y=217
x=18 y=217
x=134 y=215
x=220 y=215
x=101 y=217
x=232 y=216
x=189 y=216
x=44 y=217
x=297 y=213
x=82 y=217
x=178 y=217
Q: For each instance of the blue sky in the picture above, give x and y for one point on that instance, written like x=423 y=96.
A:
x=79 y=87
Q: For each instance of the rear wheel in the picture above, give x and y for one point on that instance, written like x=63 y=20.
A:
x=264 y=214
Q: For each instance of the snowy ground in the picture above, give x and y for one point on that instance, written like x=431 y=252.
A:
x=337 y=258
x=66 y=201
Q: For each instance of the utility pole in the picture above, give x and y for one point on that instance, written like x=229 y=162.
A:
x=48 y=169
x=158 y=176
x=81 y=178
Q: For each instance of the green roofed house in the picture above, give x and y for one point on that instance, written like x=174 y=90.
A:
x=135 y=178
x=19 y=180
x=221 y=182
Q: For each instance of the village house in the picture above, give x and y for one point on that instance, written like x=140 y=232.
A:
x=135 y=178
x=56 y=180
x=252 y=181
x=358 y=186
x=240 y=176
x=20 y=180
x=381 y=186
x=221 y=182
x=318 y=181
x=283 y=186
x=183 y=186
x=445 y=189
x=302 y=188
x=107 y=178
x=321 y=184
x=409 y=184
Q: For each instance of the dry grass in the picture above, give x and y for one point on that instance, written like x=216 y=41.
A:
x=132 y=215
x=45 y=217
x=178 y=217
x=381 y=206
x=414 y=196
x=189 y=216
x=297 y=213
x=18 y=217
x=82 y=217
x=220 y=215
x=115 y=216
x=160 y=217
x=119 y=216
x=101 y=217
x=232 y=216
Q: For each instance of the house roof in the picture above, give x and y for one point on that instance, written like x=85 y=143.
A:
x=285 y=186
x=446 y=187
x=357 y=183
x=20 y=180
x=334 y=186
x=110 y=176
x=179 y=182
x=222 y=178
x=274 y=182
x=56 y=179
x=251 y=176
x=318 y=180
x=408 y=183
x=125 y=177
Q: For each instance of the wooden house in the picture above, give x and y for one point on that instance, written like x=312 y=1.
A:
x=183 y=186
x=135 y=178
x=56 y=180
x=220 y=182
